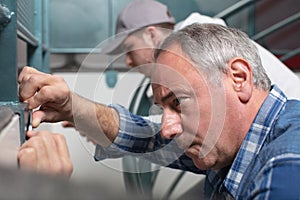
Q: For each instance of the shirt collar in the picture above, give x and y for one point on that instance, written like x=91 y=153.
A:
x=255 y=138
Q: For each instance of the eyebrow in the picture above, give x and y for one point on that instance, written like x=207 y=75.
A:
x=127 y=47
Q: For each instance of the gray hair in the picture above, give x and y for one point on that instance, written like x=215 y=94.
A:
x=212 y=46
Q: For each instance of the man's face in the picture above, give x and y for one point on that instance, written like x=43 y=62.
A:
x=139 y=53
x=194 y=111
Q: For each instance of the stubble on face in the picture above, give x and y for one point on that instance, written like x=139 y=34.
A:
x=201 y=132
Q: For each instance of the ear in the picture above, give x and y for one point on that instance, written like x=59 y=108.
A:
x=241 y=76
x=152 y=36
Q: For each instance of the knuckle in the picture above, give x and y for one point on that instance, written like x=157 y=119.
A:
x=35 y=141
x=44 y=133
x=58 y=78
x=70 y=169
x=62 y=168
x=67 y=166
x=46 y=92
x=26 y=68
x=31 y=79
x=26 y=152
x=59 y=137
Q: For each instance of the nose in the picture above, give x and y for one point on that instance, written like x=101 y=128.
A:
x=171 y=124
x=128 y=61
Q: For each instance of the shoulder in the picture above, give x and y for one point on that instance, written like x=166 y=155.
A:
x=275 y=170
x=286 y=129
x=278 y=175
x=278 y=179
x=273 y=177
x=284 y=136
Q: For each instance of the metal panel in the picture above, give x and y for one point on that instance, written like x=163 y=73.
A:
x=45 y=35
x=26 y=21
x=35 y=52
x=8 y=54
x=9 y=143
x=78 y=26
x=26 y=12
x=27 y=26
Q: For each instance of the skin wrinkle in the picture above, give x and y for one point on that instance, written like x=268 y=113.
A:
x=195 y=147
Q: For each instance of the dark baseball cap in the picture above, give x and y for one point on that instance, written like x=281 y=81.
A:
x=136 y=15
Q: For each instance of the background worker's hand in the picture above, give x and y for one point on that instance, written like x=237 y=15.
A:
x=49 y=93
x=45 y=152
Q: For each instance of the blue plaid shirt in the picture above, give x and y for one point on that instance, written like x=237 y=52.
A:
x=254 y=172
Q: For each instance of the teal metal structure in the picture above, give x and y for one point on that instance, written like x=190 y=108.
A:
x=8 y=52
x=20 y=20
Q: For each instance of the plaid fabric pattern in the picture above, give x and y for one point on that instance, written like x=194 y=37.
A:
x=138 y=136
x=255 y=138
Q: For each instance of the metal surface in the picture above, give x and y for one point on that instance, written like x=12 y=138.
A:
x=235 y=8
x=277 y=26
x=12 y=131
x=83 y=26
x=5 y=16
x=24 y=114
x=45 y=36
x=8 y=55
x=290 y=54
x=9 y=143
x=26 y=14
x=25 y=35
x=35 y=53
x=20 y=24
x=6 y=114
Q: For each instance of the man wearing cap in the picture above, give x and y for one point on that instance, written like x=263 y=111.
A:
x=141 y=27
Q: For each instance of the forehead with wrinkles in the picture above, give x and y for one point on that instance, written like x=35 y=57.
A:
x=174 y=70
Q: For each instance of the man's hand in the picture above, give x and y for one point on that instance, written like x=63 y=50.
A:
x=45 y=152
x=48 y=92
x=54 y=101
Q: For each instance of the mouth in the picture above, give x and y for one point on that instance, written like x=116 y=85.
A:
x=186 y=141
x=194 y=151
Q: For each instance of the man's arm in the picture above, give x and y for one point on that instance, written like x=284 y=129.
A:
x=55 y=102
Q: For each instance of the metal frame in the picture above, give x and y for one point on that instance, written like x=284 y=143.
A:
x=11 y=29
x=278 y=26
x=8 y=53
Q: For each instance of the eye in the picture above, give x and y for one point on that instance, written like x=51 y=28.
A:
x=177 y=102
x=127 y=48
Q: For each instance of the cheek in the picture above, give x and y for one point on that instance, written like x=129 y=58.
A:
x=196 y=115
x=140 y=58
x=191 y=117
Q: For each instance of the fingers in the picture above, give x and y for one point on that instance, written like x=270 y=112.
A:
x=35 y=93
x=47 y=153
x=31 y=81
x=27 y=157
x=63 y=151
x=37 y=117
x=26 y=72
x=67 y=124
x=49 y=92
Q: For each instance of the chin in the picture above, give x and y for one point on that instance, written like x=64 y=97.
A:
x=202 y=163
x=187 y=145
